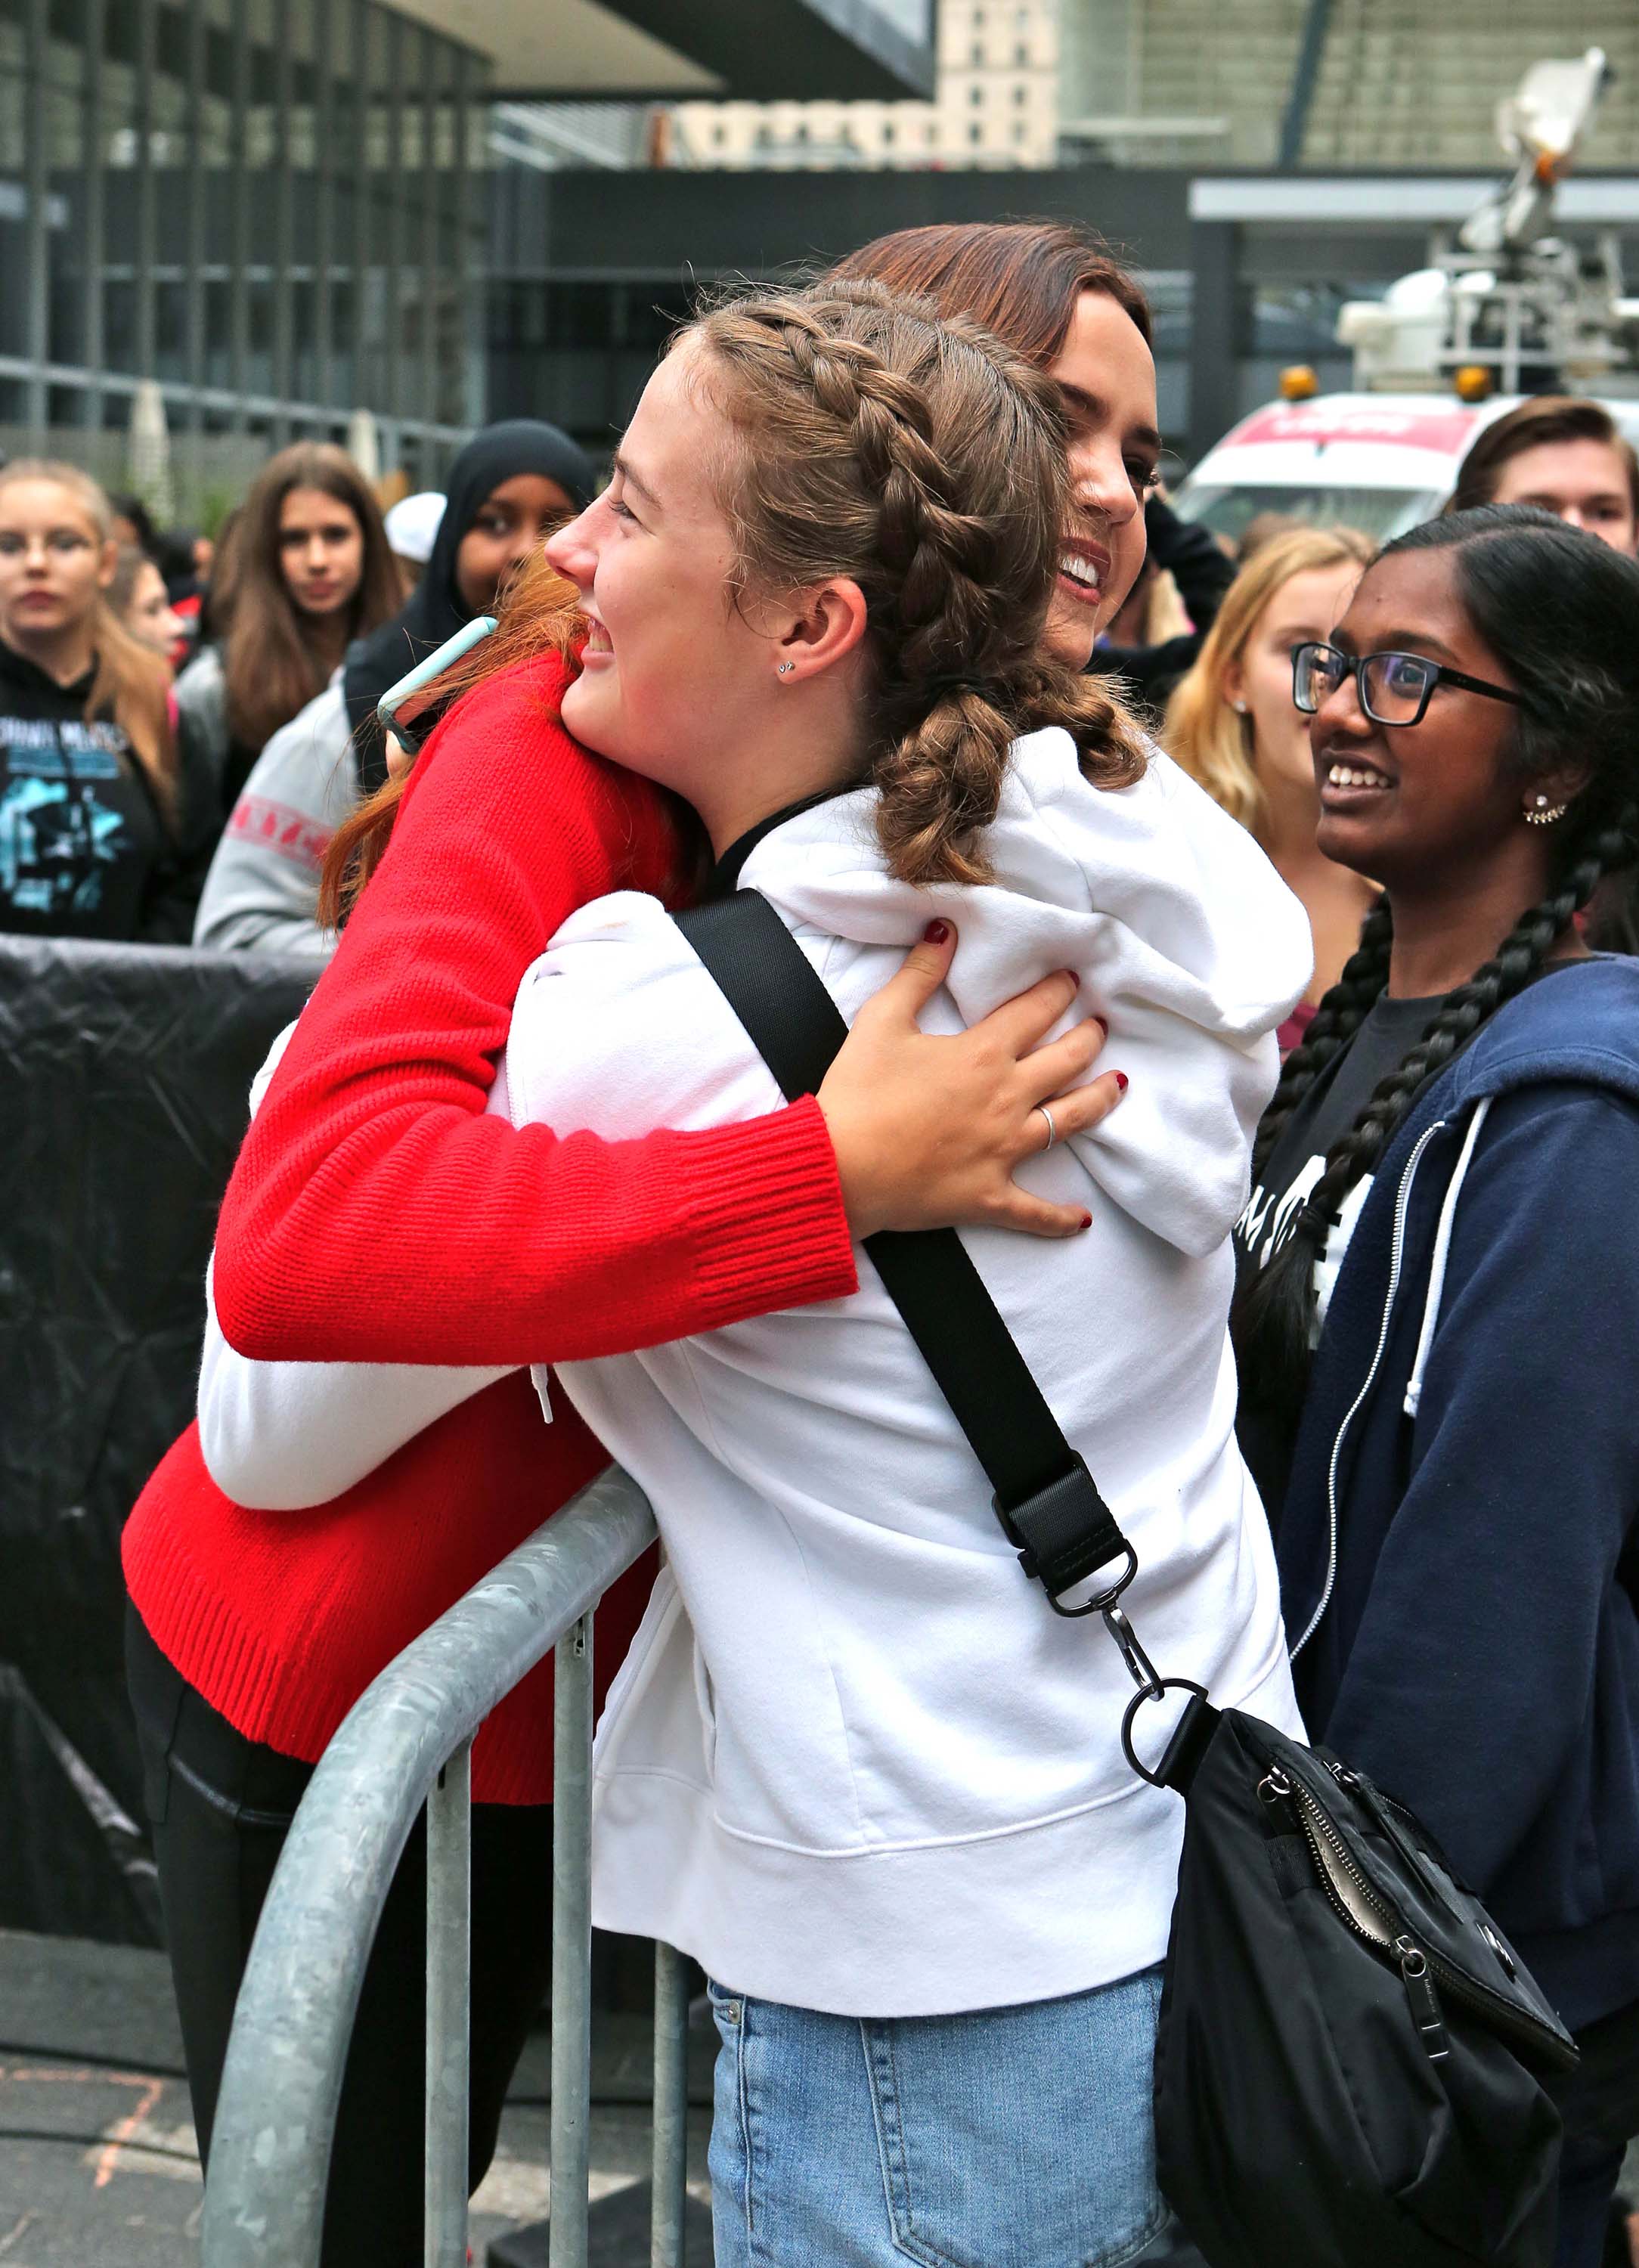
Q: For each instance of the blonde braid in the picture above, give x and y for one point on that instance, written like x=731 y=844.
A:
x=925 y=460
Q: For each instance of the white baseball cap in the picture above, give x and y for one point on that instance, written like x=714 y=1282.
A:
x=412 y=524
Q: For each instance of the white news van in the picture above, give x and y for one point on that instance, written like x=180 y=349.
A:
x=1379 y=462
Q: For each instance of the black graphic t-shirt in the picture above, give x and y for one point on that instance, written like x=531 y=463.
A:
x=85 y=850
x=1386 y=1037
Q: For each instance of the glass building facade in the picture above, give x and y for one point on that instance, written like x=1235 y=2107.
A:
x=272 y=207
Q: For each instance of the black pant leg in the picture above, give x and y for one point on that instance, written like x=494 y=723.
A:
x=217 y=1850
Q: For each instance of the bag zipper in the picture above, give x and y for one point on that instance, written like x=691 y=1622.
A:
x=1359 y=1905
x=1397 y=1253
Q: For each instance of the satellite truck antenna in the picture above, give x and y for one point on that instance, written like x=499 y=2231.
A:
x=1538 y=127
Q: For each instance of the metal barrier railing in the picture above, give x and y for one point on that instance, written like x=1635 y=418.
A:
x=406 y=1743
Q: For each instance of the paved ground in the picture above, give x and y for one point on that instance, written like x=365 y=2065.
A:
x=98 y=2163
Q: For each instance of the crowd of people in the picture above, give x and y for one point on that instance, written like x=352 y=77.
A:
x=1313 y=888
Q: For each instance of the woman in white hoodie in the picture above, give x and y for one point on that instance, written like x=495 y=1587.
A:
x=853 y=1764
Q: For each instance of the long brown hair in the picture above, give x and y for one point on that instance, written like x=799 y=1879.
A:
x=131 y=685
x=272 y=662
x=1020 y=278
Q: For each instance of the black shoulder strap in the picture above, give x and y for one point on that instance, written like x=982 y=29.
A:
x=1047 y=1500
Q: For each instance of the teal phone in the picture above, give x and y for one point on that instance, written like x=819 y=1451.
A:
x=466 y=638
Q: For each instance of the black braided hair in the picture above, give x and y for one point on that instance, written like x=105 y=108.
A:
x=1563 y=610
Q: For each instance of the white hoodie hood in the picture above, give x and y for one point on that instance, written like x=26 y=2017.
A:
x=854 y=1761
x=1185 y=940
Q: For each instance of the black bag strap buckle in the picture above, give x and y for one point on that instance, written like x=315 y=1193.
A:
x=1063 y=1534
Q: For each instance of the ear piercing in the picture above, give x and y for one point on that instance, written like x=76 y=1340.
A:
x=786 y=667
x=1543 y=813
x=1240 y=708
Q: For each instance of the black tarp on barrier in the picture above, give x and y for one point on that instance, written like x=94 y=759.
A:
x=124 y=1077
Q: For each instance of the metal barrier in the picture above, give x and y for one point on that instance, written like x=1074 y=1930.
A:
x=408 y=1742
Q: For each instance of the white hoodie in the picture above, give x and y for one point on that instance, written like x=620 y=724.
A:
x=854 y=1761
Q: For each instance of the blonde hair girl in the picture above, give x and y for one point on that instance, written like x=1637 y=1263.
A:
x=1233 y=725
x=100 y=835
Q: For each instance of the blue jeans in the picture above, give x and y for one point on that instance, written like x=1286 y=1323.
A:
x=1009 y=2138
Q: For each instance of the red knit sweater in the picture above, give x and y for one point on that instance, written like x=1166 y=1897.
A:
x=376 y=1214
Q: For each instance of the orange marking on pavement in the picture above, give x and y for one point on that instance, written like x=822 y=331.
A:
x=108 y=2157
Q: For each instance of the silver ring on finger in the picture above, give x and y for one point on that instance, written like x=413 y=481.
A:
x=1053 y=1131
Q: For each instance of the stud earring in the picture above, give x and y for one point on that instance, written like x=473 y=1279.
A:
x=786 y=667
x=1544 y=813
x=1240 y=708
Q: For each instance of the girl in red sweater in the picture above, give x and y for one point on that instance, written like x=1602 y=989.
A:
x=376 y=1211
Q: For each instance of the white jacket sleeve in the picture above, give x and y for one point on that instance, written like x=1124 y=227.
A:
x=287 y=1436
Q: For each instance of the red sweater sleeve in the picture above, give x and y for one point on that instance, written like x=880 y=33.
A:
x=377 y=1214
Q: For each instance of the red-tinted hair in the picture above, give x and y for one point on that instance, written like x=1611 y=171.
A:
x=1020 y=278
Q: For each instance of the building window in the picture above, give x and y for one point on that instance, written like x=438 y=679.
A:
x=975 y=96
x=1021 y=95
x=975 y=135
x=719 y=136
x=977 y=57
x=1021 y=135
x=1021 y=54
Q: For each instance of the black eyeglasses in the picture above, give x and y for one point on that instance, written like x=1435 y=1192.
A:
x=1395 y=688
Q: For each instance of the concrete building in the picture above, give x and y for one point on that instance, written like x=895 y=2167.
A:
x=995 y=105
x=276 y=211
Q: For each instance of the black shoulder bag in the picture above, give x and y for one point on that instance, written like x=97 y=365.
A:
x=1348 y=2064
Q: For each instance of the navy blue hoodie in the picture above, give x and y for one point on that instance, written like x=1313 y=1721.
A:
x=1468 y=1517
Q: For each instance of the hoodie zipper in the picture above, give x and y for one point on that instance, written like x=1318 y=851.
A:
x=1397 y=1253
x=1357 y=1903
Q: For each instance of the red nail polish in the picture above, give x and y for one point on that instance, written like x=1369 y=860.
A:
x=936 y=932
x=1086 y=1221
x=1122 y=1081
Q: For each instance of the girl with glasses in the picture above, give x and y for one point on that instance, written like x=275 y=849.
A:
x=1438 y=1317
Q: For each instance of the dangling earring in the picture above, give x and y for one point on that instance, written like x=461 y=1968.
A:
x=1545 y=813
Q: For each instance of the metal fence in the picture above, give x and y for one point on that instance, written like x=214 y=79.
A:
x=408 y=1742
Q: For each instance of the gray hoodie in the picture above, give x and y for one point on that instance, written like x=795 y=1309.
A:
x=262 y=894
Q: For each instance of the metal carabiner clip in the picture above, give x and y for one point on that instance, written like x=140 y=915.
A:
x=1140 y=1668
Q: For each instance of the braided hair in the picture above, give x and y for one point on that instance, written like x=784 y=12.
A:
x=1562 y=609
x=921 y=458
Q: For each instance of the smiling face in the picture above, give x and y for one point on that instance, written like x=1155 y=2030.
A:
x=53 y=563
x=513 y=520
x=321 y=551
x=673 y=668
x=1105 y=376
x=1426 y=806
x=1583 y=482
x=1304 y=608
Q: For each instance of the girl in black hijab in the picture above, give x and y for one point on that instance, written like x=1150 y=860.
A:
x=510 y=485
